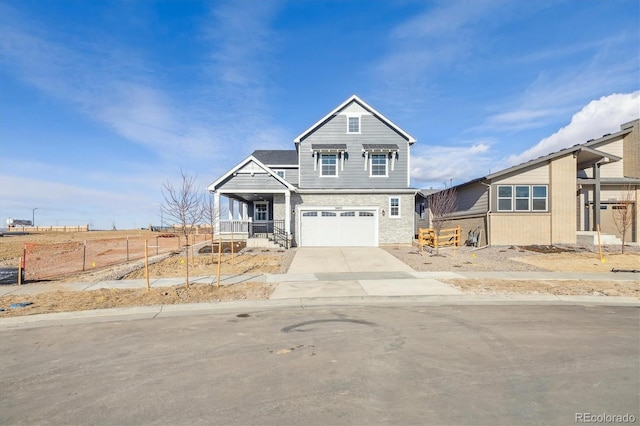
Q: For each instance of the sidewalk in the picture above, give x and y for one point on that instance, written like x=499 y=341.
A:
x=302 y=291
x=329 y=284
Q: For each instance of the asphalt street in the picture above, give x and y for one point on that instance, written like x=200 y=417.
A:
x=389 y=364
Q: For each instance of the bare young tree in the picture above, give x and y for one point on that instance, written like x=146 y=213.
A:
x=211 y=215
x=184 y=204
x=623 y=212
x=442 y=204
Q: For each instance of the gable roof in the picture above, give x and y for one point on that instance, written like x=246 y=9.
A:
x=275 y=157
x=364 y=105
x=586 y=157
x=243 y=163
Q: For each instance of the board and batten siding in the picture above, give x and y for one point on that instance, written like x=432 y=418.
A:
x=354 y=175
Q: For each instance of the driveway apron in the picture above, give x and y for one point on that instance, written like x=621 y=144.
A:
x=344 y=260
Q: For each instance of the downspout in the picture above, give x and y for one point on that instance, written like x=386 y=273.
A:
x=488 y=213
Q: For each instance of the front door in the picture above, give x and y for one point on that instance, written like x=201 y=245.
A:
x=260 y=211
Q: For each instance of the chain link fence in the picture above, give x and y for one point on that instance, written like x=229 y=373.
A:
x=52 y=260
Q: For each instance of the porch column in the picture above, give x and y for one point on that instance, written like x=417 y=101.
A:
x=287 y=212
x=216 y=213
x=596 y=196
x=231 y=205
x=245 y=212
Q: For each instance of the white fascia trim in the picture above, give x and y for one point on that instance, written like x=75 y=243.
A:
x=357 y=191
x=409 y=165
x=255 y=191
x=212 y=187
x=366 y=106
x=283 y=166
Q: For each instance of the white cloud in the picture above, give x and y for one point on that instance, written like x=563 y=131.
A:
x=601 y=116
x=113 y=85
x=557 y=94
x=436 y=165
x=441 y=37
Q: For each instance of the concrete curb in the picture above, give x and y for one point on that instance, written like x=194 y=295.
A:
x=241 y=306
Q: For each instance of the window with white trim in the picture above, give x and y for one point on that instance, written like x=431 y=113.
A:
x=539 y=193
x=353 y=124
x=280 y=173
x=328 y=214
x=328 y=165
x=378 y=164
x=523 y=198
x=394 y=206
x=505 y=193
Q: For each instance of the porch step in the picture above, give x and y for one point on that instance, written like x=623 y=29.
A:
x=591 y=237
x=261 y=243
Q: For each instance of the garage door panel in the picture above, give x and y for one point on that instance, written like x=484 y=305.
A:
x=347 y=227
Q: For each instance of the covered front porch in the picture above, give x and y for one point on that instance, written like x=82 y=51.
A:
x=251 y=201
x=254 y=216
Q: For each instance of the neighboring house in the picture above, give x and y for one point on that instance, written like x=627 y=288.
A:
x=559 y=198
x=345 y=184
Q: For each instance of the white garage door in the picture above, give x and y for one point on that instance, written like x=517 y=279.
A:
x=346 y=227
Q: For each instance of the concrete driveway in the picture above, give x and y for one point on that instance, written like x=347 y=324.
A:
x=310 y=260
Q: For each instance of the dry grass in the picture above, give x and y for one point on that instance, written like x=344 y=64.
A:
x=67 y=301
x=553 y=287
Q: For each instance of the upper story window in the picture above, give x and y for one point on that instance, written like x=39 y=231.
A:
x=379 y=158
x=394 y=206
x=353 y=124
x=523 y=198
x=328 y=165
x=280 y=173
x=378 y=165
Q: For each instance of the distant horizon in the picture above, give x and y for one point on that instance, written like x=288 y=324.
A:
x=107 y=101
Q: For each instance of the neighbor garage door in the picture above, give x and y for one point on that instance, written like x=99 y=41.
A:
x=346 y=227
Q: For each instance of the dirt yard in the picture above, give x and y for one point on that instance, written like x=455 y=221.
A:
x=529 y=258
x=257 y=261
x=553 y=287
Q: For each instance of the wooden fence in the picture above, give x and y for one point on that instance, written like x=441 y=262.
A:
x=447 y=237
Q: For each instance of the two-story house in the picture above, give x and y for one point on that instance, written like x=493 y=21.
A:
x=564 y=197
x=347 y=183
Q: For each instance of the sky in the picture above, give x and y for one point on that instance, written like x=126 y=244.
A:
x=102 y=102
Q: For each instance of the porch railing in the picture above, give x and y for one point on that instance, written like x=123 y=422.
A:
x=271 y=229
x=280 y=236
x=235 y=226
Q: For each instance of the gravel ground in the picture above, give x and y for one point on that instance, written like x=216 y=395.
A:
x=493 y=259
x=462 y=259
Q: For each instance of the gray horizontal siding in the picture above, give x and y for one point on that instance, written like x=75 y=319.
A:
x=259 y=181
x=354 y=175
x=291 y=176
x=472 y=200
